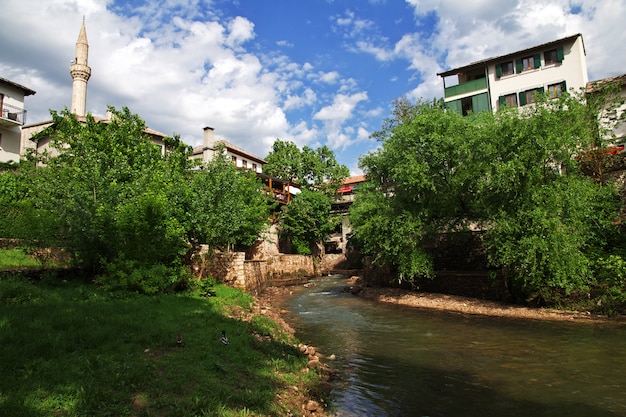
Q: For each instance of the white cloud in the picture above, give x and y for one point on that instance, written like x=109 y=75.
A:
x=341 y=109
x=298 y=101
x=183 y=65
x=241 y=30
x=329 y=77
x=472 y=30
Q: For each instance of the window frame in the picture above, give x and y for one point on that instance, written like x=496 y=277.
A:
x=509 y=100
x=529 y=93
x=500 y=69
x=560 y=86
x=528 y=63
x=556 y=53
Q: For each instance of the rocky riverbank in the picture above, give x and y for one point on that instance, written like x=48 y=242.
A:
x=467 y=305
x=268 y=304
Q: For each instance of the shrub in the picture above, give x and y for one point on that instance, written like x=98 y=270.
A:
x=130 y=275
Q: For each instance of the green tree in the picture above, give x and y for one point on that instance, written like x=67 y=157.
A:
x=310 y=168
x=229 y=207
x=284 y=162
x=515 y=174
x=117 y=198
x=307 y=220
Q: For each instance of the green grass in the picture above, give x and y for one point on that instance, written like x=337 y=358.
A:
x=70 y=349
x=17 y=258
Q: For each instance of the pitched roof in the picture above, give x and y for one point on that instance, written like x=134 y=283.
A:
x=27 y=91
x=237 y=149
x=354 y=179
x=487 y=61
x=597 y=85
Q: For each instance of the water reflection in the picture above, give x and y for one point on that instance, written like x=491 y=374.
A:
x=396 y=361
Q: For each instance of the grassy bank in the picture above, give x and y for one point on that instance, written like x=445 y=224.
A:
x=70 y=349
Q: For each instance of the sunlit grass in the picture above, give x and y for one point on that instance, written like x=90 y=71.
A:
x=17 y=258
x=70 y=349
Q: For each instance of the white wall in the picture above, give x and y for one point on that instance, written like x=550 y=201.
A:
x=573 y=70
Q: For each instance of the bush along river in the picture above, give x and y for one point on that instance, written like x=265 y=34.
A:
x=400 y=361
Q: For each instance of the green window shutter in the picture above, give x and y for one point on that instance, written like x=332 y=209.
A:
x=522 y=98
x=480 y=102
x=563 y=87
x=498 y=70
x=537 y=61
x=520 y=65
x=540 y=90
x=560 y=56
x=455 y=105
x=501 y=100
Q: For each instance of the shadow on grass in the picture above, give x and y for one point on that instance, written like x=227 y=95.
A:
x=71 y=350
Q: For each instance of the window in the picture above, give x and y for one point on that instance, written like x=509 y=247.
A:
x=254 y=167
x=508 y=100
x=244 y=163
x=555 y=90
x=553 y=56
x=528 y=96
x=528 y=63
x=234 y=159
x=506 y=68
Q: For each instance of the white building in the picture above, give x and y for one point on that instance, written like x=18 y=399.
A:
x=12 y=118
x=512 y=79
x=240 y=157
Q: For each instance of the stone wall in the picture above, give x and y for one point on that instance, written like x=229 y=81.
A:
x=255 y=275
x=265 y=246
x=227 y=267
x=283 y=269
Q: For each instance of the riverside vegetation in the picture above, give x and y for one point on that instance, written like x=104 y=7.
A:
x=70 y=348
x=132 y=219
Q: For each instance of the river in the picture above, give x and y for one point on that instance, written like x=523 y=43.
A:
x=400 y=361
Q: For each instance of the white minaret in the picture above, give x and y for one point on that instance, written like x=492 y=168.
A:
x=80 y=72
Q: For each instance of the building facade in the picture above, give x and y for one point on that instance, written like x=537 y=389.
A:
x=239 y=157
x=12 y=118
x=514 y=79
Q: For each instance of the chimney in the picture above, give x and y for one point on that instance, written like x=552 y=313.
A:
x=208 y=137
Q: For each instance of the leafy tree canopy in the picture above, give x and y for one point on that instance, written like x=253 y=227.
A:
x=229 y=205
x=307 y=220
x=514 y=174
x=309 y=168
x=124 y=208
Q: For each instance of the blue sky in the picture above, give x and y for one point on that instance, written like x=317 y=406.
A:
x=315 y=72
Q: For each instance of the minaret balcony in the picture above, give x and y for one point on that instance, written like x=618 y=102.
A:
x=12 y=116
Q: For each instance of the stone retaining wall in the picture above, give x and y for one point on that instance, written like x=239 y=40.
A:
x=284 y=266
x=255 y=275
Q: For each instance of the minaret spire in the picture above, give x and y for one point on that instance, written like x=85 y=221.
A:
x=80 y=72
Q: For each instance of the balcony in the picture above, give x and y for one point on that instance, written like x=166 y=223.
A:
x=12 y=116
x=468 y=87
